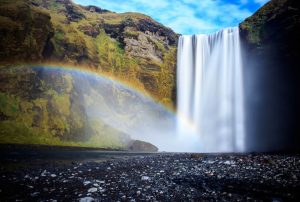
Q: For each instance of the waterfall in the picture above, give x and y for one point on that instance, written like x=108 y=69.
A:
x=210 y=90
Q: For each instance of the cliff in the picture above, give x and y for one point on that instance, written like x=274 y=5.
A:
x=270 y=39
x=44 y=107
x=130 y=46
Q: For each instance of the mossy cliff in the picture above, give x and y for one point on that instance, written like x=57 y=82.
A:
x=129 y=46
x=41 y=106
x=270 y=39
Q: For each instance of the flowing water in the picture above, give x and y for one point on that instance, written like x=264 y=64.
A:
x=210 y=90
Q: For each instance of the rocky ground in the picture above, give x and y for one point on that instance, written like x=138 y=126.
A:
x=151 y=177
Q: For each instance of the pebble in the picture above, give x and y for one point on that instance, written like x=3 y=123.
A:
x=35 y=194
x=164 y=177
x=92 y=190
x=145 y=178
x=43 y=174
x=86 y=199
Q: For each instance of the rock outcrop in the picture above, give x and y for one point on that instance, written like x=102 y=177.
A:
x=141 y=146
x=272 y=75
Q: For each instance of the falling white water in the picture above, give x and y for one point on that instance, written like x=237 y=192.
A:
x=210 y=90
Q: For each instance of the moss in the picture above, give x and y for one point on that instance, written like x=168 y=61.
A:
x=111 y=56
x=9 y=24
x=131 y=33
x=18 y=133
x=9 y=105
x=253 y=26
x=48 y=116
x=59 y=35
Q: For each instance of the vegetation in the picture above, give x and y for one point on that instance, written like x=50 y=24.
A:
x=81 y=37
x=130 y=47
x=253 y=26
x=49 y=113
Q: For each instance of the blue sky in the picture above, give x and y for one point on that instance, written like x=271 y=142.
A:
x=186 y=16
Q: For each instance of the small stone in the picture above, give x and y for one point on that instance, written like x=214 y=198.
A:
x=228 y=162
x=86 y=183
x=138 y=192
x=35 y=194
x=92 y=190
x=145 y=178
x=96 y=185
x=53 y=175
x=43 y=174
x=86 y=199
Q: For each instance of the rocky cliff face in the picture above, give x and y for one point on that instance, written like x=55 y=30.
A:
x=44 y=106
x=129 y=46
x=272 y=75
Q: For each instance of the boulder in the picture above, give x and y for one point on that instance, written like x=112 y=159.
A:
x=141 y=146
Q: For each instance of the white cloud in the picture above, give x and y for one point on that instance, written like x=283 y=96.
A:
x=184 y=16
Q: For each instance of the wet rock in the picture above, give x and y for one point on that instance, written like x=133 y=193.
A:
x=145 y=178
x=86 y=199
x=142 y=146
x=92 y=190
x=35 y=194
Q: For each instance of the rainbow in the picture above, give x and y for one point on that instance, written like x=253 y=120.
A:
x=100 y=74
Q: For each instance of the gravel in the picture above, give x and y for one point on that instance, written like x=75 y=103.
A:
x=160 y=177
